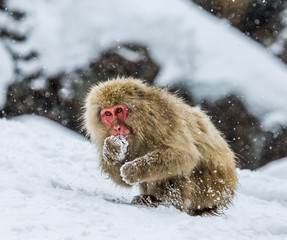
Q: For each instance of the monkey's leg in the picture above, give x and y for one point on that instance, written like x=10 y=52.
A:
x=157 y=165
x=166 y=192
x=210 y=189
x=182 y=193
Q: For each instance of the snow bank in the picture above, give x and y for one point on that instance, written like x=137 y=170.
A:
x=192 y=46
x=51 y=188
x=276 y=169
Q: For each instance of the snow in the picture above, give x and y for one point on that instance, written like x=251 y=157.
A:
x=275 y=119
x=52 y=188
x=191 y=46
x=129 y=54
x=276 y=169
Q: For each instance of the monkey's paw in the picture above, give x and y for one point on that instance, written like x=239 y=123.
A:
x=129 y=173
x=147 y=200
x=115 y=148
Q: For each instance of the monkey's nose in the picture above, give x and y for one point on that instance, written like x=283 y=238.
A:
x=117 y=127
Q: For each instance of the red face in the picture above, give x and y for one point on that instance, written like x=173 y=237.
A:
x=115 y=118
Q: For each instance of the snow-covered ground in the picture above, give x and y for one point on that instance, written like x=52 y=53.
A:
x=51 y=187
x=191 y=46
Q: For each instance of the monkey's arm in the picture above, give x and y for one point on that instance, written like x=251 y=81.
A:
x=113 y=158
x=157 y=165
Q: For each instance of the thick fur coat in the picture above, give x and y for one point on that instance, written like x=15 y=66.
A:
x=174 y=153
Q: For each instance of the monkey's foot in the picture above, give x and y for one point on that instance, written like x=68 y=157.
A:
x=147 y=200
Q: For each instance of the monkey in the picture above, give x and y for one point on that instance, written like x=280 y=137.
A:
x=150 y=137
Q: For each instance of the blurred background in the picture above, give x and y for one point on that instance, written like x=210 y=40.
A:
x=227 y=57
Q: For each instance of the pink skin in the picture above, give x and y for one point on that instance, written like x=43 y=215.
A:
x=115 y=118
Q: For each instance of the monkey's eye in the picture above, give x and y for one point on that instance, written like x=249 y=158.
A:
x=107 y=113
x=119 y=110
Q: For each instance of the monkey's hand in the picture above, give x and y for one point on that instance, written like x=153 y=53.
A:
x=115 y=148
x=129 y=173
x=133 y=172
x=156 y=165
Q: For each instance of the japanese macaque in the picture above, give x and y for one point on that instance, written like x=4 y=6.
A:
x=151 y=138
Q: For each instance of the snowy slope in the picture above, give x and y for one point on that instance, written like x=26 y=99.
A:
x=192 y=46
x=51 y=188
x=276 y=169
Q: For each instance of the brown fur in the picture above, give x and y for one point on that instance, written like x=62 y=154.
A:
x=175 y=153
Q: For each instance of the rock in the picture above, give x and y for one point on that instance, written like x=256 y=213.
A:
x=180 y=90
x=254 y=146
x=262 y=20
x=61 y=97
x=125 y=60
x=235 y=11
x=239 y=127
x=275 y=146
x=2 y=4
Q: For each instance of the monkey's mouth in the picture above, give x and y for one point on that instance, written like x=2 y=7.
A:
x=126 y=136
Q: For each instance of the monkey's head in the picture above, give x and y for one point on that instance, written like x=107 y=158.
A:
x=131 y=108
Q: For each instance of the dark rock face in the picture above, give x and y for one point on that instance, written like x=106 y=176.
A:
x=275 y=146
x=260 y=19
x=125 y=60
x=264 y=21
x=239 y=127
x=61 y=97
x=47 y=100
x=180 y=90
x=234 y=11
x=254 y=147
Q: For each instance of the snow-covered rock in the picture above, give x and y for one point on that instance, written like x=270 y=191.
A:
x=190 y=45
